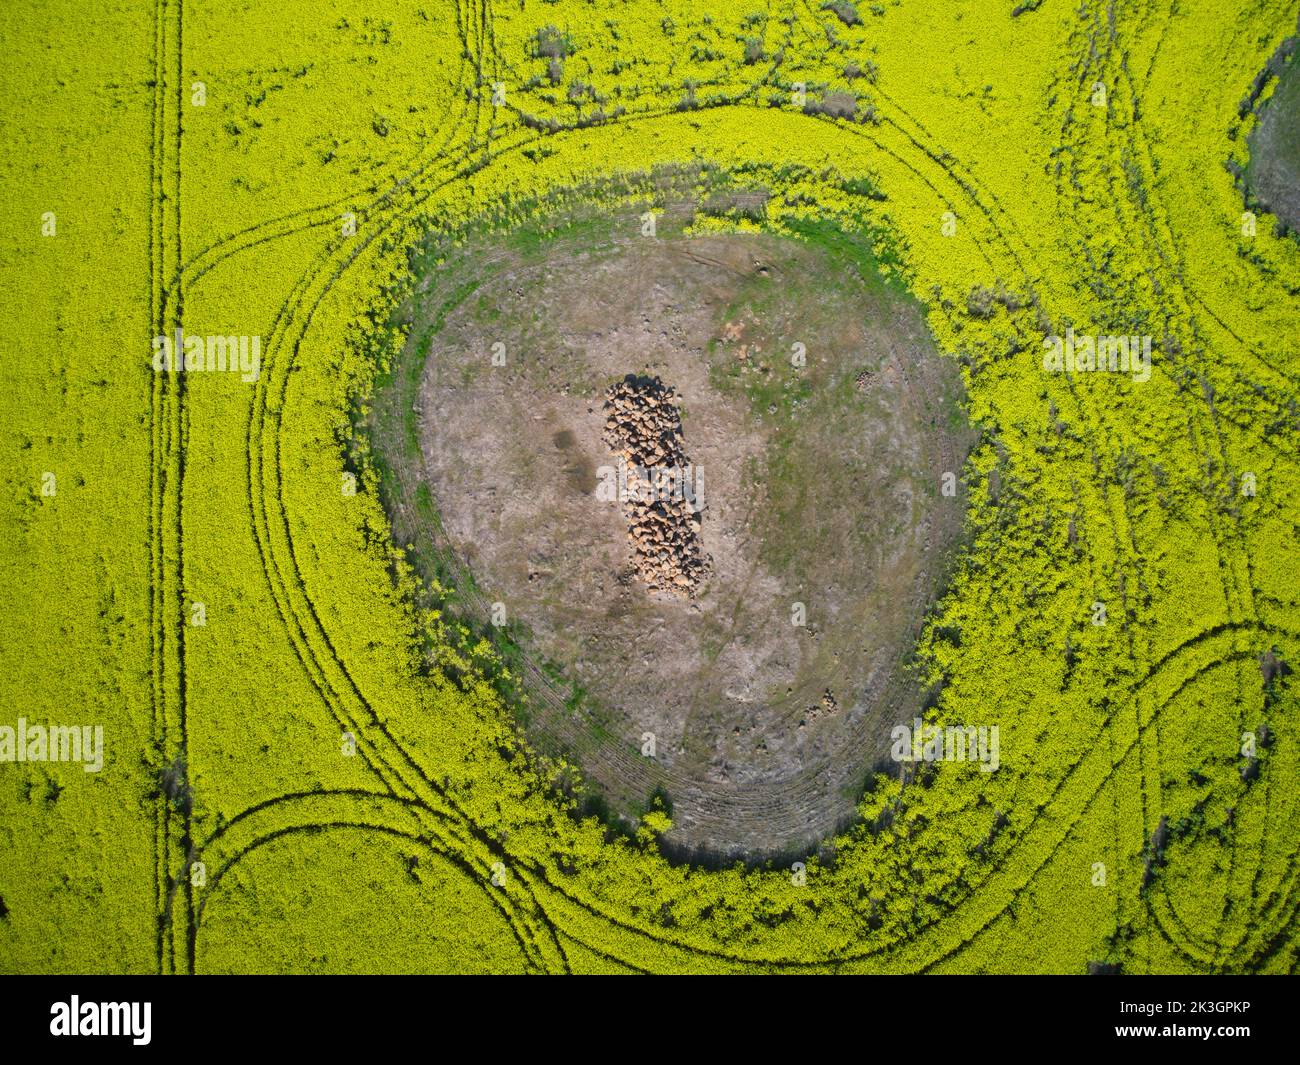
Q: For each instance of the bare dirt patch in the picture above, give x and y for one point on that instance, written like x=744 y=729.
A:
x=806 y=397
x=1273 y=174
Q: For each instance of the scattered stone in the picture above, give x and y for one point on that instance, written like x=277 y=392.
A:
x=826 y=708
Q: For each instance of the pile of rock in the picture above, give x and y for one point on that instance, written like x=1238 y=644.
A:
x=643 y=427
x=826 y=708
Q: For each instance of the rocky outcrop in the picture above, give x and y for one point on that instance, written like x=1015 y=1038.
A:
x=661 y=492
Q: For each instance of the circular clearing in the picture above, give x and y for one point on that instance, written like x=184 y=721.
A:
x=733 y=648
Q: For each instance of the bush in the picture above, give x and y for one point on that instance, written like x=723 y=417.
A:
x=845 y=11
x=833 y=104
x=551 y=43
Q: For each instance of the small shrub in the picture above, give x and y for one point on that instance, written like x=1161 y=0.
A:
x=551 y=43
x=844 y=11
x=834 y=105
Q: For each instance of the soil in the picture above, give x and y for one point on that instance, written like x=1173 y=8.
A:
x=747 y=655
x=1273 y=174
